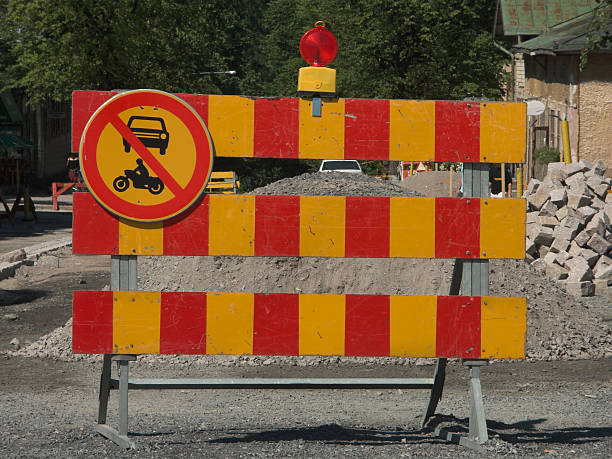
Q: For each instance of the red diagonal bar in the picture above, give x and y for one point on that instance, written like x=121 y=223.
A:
x=146 y=155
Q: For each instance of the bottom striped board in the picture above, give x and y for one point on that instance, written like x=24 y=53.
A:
x=128 y=322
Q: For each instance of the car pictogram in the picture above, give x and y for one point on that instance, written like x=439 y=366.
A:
x=150 y=131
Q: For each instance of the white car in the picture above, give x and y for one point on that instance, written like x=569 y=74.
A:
x=340 y=165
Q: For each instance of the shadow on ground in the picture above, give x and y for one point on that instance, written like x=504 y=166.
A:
x=520 y=432
x=331 y=433
x=528 y=431
x=9 y=297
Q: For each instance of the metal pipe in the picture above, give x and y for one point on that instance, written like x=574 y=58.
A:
x=567 y=152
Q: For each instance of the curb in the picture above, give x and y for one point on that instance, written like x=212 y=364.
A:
x=29 y=255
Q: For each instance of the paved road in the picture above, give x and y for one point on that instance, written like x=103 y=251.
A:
x=51 y=225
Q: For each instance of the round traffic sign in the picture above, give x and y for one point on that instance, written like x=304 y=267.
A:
x=146 y=155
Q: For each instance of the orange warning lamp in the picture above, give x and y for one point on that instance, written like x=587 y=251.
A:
x=318 y=47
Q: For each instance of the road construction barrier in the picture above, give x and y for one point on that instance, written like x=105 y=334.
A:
x=223 y=182
x=123 y=323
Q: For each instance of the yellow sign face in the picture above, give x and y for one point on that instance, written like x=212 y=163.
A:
x=178 y=158
x=146 y=155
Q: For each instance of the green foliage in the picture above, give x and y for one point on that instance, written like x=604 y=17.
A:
x=372 y=167
x=598 y=35
x=438 y=49
x=547 y=155
x=57 y=46
x=422 y=49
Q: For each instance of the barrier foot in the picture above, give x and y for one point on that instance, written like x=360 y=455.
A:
x=436 y=391
x=455 y=437
x=117 y=436
x=114 y=436
x=477 y=434
x=478 y=420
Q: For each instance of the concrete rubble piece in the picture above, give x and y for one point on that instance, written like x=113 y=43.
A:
x=569 y=232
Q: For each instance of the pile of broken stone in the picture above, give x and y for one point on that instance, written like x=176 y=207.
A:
x=569 y=231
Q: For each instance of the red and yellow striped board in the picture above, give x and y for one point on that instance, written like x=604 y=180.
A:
x=362 y=129
x=298 y=324
x=317 y=226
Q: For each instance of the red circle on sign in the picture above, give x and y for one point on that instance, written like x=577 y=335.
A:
x=108 y=114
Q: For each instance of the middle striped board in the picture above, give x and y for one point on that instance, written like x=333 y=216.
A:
x=126 y=322
x=317 y=226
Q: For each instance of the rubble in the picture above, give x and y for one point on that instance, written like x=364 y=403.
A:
x=573 y=244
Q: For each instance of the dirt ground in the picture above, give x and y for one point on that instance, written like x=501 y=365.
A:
x=48 y=407
x=534 y=408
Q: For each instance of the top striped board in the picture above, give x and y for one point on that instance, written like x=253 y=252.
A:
x=362 y=129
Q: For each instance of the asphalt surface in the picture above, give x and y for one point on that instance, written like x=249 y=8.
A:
x=51 y=225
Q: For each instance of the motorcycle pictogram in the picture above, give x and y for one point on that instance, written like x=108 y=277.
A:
x=140 y=179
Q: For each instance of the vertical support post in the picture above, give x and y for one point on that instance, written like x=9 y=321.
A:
x=475 y=282
x=475 y=279
x=124 y=276
x=124 y=371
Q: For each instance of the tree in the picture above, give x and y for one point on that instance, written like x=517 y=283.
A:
x=58 y=46
x=391 y=48
x=598 y=35
x=422 y=49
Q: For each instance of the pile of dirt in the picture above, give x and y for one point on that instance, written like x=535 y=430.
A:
x=335 y=184
x=559 y=326
x=434 y=183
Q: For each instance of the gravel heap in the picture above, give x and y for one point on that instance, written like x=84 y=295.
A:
x=569 y=226
x=559 y=326
x=335 y=184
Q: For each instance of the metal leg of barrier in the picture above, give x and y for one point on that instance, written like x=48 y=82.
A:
x=440 y=374
x=477 y=434
x=120 y=437
x=105 y=385
x=436 y=391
